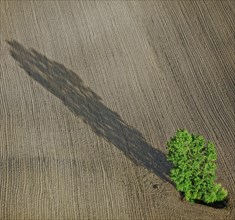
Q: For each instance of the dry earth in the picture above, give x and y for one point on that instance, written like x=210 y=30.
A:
x=91 y=91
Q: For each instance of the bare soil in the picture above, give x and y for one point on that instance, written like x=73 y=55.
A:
x=90 y=91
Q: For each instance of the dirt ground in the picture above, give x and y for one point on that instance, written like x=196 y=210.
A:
x=91 y=91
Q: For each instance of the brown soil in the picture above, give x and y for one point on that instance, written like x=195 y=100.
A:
x=91 y=91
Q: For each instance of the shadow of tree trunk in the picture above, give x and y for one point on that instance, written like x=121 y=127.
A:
x=84 y=103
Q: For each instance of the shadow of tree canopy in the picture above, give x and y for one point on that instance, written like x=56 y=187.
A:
x=84 y=103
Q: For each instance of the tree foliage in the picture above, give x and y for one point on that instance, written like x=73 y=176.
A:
x=194 y=171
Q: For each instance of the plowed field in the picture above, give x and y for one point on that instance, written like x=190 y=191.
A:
x=90 y=92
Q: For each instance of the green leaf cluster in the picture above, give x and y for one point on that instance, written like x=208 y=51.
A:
x=194 y=171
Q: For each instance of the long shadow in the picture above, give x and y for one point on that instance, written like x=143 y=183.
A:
x=84 y=103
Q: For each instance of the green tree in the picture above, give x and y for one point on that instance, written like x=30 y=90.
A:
x=194 y=171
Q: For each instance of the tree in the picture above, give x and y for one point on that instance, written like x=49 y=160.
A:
x=194 y=171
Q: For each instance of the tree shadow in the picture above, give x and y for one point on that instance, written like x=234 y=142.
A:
x=84 y=103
